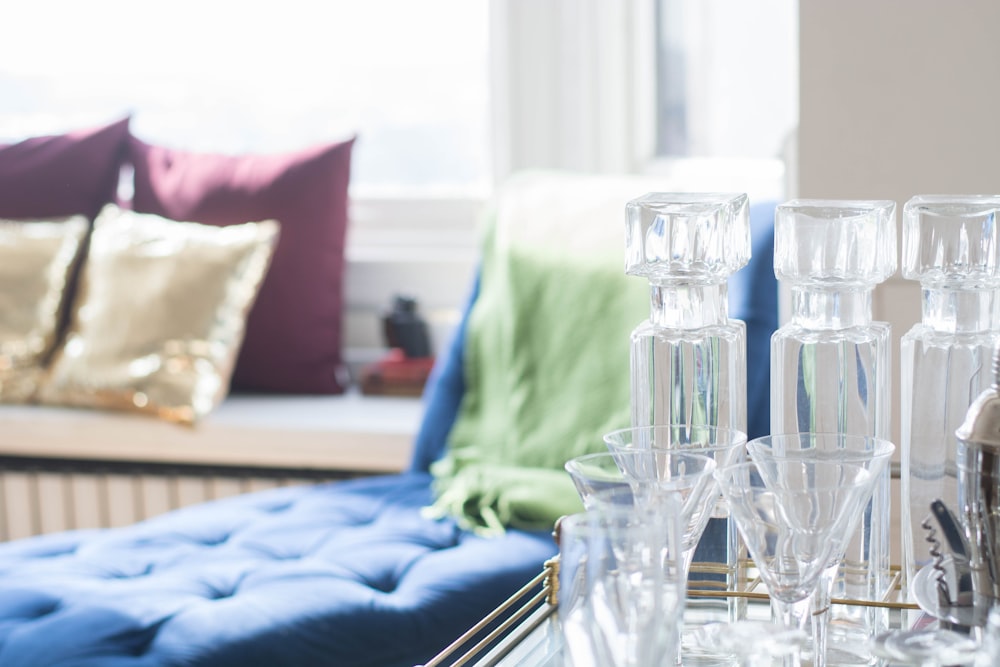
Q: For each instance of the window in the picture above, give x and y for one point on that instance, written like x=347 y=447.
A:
x=726 y=77
x=726 y=81
x=446 y=96
x=700 y=92
x=236 y=76
x=411 y=78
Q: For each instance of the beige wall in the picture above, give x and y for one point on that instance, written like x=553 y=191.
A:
x=898 y=98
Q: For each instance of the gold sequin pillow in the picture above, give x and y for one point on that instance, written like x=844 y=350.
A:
x=36 y=259
x=160 y=315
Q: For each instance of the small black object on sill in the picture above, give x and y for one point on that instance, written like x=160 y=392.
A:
x=405 y=329
x=404 y=370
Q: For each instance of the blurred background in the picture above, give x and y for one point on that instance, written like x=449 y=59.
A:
x=776 y=98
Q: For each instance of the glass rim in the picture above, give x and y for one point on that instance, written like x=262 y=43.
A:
x=724 y=475
x=590 y=519
x=708 y=461
x=883 y=446
x=741 y=436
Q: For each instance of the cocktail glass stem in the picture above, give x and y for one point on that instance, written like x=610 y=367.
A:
x=687 y=557
x=821 y=612
x=791 y=615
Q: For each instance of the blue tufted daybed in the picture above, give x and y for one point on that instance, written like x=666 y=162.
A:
x=349 y=573
x=343 y=573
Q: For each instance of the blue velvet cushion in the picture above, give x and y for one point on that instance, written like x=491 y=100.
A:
x=443 y=395
x=341 y=574
x=346 y=573
x=753 y=298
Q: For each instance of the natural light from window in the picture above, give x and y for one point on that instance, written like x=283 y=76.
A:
x=409 y=78
x=727 y=77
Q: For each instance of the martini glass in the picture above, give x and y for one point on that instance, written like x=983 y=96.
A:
x=869 y=452
x=722 y=445
x=791 y=515
x=594 y=473
x=647 y=475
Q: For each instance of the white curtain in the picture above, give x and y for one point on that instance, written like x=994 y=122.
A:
x=572 y=84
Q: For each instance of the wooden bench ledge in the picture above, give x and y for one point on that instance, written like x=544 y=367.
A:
x=350 y=433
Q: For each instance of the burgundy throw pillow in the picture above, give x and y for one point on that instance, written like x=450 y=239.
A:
x=62 y=175
x=293 y=335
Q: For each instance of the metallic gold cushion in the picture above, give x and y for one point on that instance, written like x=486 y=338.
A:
x=35 y=262
x=161 y=314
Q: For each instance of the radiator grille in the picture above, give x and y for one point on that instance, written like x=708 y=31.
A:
x=36 y=501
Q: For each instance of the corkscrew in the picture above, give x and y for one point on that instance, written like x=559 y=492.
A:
x=951 y=564
x=941 y=574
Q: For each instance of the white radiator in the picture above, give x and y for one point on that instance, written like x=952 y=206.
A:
x=33 y=503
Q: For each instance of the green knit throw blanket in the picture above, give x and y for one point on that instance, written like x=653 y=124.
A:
x=546 y=353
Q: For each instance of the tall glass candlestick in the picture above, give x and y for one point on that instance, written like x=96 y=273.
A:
x=688 y=360
x=830 y=372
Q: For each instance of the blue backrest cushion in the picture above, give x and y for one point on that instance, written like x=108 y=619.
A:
x=442 y=395
x=753 y=298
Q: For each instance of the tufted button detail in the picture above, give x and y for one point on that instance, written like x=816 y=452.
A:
x=219 y=594
x=45 y=610
x=335 y=568
x=130 y=574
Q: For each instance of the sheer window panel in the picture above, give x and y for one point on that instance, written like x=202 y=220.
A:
x=726 y=78
x=702 y=93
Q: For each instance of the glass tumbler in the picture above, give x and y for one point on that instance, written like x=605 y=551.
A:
x=621 y=585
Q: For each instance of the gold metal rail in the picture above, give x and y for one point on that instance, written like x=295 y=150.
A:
x=540 y=595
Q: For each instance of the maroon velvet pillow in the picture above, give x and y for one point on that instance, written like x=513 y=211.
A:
x=61 y=175
x=293 y=335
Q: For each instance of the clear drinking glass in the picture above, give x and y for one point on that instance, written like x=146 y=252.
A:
x=831 y=367
x=688 y=359
x=621 y=585
x=951 y=245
